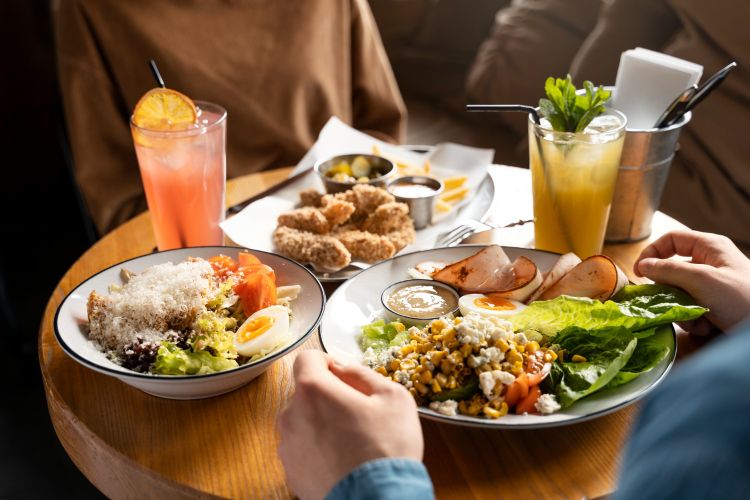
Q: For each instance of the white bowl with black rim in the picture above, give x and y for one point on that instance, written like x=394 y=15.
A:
x=71 y=322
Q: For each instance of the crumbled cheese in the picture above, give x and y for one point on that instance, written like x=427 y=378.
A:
x=492 y=354
x=447 y=407
x=520 y=339
x=476 y=361
x=546 y=404
x=488 y=380
x=375 y=359
x=401 y=377
x=163 y=298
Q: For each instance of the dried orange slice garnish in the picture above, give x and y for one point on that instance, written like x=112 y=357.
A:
x=164 y=109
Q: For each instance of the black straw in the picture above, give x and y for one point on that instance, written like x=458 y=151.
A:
x=155 y=71
x=506 y=107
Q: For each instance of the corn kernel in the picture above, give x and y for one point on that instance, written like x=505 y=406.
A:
x=503 y=409
x=425 y=376
x=451 y=383
x=381 y=370
x=441 y=378
x=491 y=412
x=517 y=368
x=435 y=386
x=502 y=345
x=577 y=358
x=465 y=349
x=514 y=356
x=532 y=347
x=421 y=388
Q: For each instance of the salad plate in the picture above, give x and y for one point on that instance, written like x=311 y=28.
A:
x=71 y=320
x=357 y=303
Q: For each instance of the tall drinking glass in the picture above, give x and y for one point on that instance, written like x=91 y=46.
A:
x=573 y=178
x=184 y=176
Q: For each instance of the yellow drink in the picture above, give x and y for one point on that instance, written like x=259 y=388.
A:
x=573 y=178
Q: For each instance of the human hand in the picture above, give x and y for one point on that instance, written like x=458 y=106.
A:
x=339 y=418
x=718 y=275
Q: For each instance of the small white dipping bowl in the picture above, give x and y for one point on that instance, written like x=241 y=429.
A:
x=411 y=320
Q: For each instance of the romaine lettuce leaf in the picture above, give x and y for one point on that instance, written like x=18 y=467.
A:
x=636 y=307
x=649 y=352
x=606 y=353
x=380 y=335
x=171 y=360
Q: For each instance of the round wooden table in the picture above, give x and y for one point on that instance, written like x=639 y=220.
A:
x=132 y=445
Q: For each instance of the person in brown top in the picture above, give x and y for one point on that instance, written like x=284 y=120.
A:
x=281 y=69
x=709 y=182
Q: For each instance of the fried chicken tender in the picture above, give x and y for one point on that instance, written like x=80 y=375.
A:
x=387 y=218
x=366 y=246
x=365 y=199
x=325 y=252
x=336 y=211
x=310 y=198
x=402 y=237
x=308 y=219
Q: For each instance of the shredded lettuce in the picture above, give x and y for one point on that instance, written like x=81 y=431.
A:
x=380 y=335
x=214 y=333
x=635 y=308
x=171 y=360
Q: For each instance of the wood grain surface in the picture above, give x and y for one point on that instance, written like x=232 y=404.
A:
x=132 y=445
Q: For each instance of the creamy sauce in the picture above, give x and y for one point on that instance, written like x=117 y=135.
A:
x=422 y=301
x=410 y=190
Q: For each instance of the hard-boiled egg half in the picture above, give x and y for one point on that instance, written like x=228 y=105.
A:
x=263 y=332
x=489 y=305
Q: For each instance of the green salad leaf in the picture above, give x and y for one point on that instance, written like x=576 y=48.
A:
x=636 y=307
x=214 y=333
x=567 y=111
x=460 y=393
x=649 y=352
x=605 y=353
x=380 y=335
x=171 y=360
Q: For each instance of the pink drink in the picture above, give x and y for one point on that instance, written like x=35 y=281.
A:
x=184 y=176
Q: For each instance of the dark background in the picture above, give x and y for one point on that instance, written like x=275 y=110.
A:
x=43 y=233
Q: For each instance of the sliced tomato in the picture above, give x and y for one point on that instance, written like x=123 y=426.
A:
x=247 y=259
x=258 y=269
x=518 y=390
x=537 y=377
x=223 y=266
x=526 y=405
x=256 y=291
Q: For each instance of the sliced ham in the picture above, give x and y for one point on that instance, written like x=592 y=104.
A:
x=487 y=270
x=597 y=277
x=563 y=265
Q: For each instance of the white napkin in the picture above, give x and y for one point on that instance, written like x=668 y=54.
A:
x=648 y=82
x=253 y=227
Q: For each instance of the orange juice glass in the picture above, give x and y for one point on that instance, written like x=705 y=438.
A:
x=573 y=178
x=184 y=176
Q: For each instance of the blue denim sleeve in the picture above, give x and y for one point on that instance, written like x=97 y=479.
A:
x=692 y=439
x=385 y=478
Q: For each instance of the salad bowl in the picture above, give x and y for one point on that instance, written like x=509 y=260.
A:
x=357 y=303
x=71 y=319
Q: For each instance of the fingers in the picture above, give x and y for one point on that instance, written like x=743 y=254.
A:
x=317 y=374
x=692 y=244
x=685 y=275
x=362 y=379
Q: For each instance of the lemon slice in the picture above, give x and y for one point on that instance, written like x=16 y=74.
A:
x=164 y=109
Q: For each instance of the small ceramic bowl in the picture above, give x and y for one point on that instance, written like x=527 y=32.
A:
x=71 y=320
x=385 y=169
x=420 y=193
x=412 y=319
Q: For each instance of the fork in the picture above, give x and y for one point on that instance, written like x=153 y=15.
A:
x=459 y=233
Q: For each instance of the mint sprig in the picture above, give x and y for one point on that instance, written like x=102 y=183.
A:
x=568 y=112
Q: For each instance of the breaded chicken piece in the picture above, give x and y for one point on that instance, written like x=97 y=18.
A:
x=336 y=211
x=324 y=252
x=310 y=197
x=366 y=246
x=402 y=237
x=308 y=219
x=393 y=216
x=366 y=199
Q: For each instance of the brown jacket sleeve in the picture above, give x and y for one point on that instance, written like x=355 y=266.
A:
x=105 y=165
x=530 y=41
x=378 y=108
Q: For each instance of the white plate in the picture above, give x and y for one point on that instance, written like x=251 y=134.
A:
x=71 y=319
x=357 y=302
x=254 y=226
